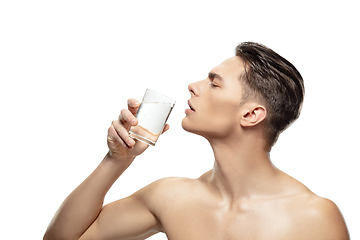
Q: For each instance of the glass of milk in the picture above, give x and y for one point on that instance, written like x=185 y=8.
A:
x=152 y=115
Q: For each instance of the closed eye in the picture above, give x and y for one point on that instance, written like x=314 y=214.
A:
x=213 y=85
x=212 y=77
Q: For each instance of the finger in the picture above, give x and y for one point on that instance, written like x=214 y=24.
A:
x=123 y=135
x=133 y=105
x=128 y=119
x=113 y=137
x=167 y=126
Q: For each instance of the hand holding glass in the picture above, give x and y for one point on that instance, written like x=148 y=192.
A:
x=152 y=115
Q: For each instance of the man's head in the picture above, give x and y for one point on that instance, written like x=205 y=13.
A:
x=275 y=82
x=255 y=90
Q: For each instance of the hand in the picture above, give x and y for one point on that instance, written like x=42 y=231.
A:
x=120 y=144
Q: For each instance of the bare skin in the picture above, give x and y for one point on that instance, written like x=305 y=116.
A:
x=244 y=196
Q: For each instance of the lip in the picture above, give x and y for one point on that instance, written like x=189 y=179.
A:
x=190 y=105
x=190 y=109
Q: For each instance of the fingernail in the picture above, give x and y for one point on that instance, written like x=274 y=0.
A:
x=133 y=103
x=133 y=122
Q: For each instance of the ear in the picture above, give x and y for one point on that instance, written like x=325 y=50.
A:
x=252 y=115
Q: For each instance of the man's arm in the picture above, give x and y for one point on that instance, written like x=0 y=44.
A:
x=81 y=216
x=128 y=218
x=83 y=207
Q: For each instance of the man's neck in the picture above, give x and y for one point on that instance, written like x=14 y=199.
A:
x=243 y=170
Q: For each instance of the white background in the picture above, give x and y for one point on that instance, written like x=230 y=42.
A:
x=67 y=68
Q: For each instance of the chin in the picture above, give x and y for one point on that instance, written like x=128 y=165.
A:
x=185 y=125
x=189 y=127
x=206 y=129
x=198 y=130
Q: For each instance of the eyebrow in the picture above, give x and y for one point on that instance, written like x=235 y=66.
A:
x=214 y=75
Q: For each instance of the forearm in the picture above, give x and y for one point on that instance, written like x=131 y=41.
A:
x=83 y=205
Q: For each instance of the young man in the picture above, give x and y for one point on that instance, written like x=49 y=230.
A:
x=240 y=108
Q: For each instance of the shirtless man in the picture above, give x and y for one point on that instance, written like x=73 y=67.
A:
x=240 y=108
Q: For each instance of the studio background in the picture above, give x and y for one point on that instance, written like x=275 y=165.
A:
x=67 y=69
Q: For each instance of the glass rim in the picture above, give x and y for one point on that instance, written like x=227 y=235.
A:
x=172 y=101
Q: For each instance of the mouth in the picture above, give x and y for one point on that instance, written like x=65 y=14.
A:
x=189 y=110
x=190 y=106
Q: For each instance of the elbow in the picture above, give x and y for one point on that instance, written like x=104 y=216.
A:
x=49 y=236
x=46 y=236
x=56 y=236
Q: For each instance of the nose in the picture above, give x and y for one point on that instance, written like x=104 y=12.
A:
x=195 y=88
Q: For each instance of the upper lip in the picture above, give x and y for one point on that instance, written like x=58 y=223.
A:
x=191 y=107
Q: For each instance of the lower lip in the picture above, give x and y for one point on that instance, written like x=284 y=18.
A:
x=188 y=111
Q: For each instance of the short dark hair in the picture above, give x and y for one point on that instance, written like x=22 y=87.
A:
x=276 y=82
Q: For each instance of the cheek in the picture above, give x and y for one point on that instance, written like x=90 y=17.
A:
x=222 y=115
x=225 y=108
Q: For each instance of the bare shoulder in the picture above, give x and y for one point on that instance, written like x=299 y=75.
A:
x=173 y=184
x=309 y=215
x=177 y=185
x=318 y=218
x=170 y=191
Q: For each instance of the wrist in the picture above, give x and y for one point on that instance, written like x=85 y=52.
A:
x=117 y=162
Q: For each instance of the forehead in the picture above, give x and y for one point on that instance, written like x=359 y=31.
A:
x=231 y=68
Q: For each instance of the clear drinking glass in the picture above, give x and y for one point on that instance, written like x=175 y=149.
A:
x=152 y=115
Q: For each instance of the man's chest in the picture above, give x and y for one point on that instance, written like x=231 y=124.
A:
x=202 y=222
